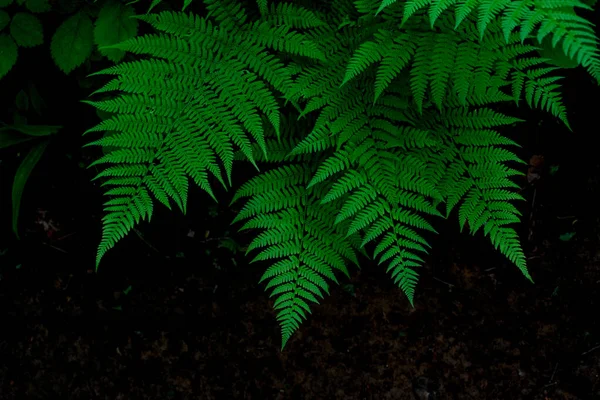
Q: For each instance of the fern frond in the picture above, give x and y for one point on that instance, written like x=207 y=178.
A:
x=227 y=12
x=293 y=16
x=419 y=73
x=382 y=193
x=392 y=114
x=299 y=229
x=478 y=179
x=182 y=112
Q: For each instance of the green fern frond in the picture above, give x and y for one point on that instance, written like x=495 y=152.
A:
x=184 y=111
x=371 y=116
x=227 y=12
x=419 y=72
x=367 y=54
x=437 y=8
x=488 y=12
x=122 y=213
x=382 y=193
x=554 y=17
x=384 y=4
x=293 y=16
x=477 y=177
x=281 y=39
x=299 y=229
x=262 y=6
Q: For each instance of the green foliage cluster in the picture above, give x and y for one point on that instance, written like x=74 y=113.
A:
x=28 y=102
x=368 y=118
x=85 y=29
x=76 y=37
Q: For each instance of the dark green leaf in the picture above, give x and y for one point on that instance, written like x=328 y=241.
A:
x=72 y=43
x=21 y=176
x=37 y=102
x=8 y=138
x=22 y=101
x=4 y=19
x=26 y=30
x=37 y=6
x=33 y=130
x=113 y=26
x=8 y=49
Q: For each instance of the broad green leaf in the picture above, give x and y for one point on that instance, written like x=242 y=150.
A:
x=26 y=29
x=113 y=26
x=23 y=172
x=10 y=138
x=4 y=19
x=8 y=54
x=37 y=6
x=5 y=3
x=72 y=43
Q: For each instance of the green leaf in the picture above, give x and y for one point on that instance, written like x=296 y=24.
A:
x=37 y=102
x=33 y=130
x=113 y=26
x=23 y=172
x=4 y=19
x=37 y=6
x=26 y=29
x=5 y=3
x=8 y=54
x=22 y=101
x=18 y=133
x=72 y=43
x=565 y=237
x=9 y=138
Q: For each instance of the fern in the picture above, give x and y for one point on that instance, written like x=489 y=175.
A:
x=576 y=34
x=298 y=230
x=159 y=140
x=372 y=119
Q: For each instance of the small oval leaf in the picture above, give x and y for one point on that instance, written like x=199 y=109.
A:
x=72 y=42
x=26 y=30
